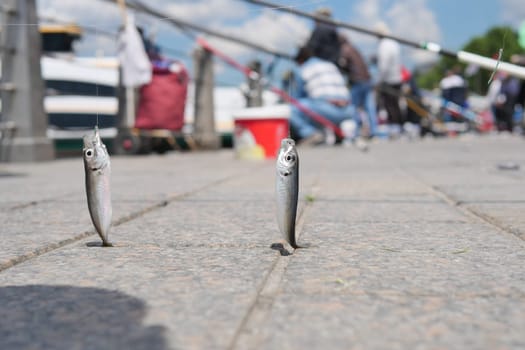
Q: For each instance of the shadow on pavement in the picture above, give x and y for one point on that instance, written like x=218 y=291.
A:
x=66 y=317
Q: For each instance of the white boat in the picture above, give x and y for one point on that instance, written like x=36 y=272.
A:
x=80 y=92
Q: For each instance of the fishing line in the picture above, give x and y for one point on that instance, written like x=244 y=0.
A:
x=185 y=31
x=95 y=30
x=500 y=54
x=298 y=5
x=96 y=27
x=139 y=6
x=96 y=83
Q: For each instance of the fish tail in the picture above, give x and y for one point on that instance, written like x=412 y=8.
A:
x=106 y=243
x=293 y=242
x=105 y=240
x=291 y=237
x=294 y=245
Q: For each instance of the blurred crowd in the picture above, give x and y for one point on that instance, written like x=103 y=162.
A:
x=334 y=80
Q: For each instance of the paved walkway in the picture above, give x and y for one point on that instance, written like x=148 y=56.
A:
x=413 y=246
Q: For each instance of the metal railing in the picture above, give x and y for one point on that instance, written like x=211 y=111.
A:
x=7 y=128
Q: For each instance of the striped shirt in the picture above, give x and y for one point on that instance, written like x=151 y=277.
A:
x=320 y=79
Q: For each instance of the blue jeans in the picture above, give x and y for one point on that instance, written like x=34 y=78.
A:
x=363 y=98
x=303 y=126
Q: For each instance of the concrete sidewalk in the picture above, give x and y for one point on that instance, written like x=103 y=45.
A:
x=414 y=245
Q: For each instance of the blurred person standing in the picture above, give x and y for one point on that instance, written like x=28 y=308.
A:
x=351 y=63
x=505 y=101
x=453 y=89
x=319 y=87
x=324 y=40
x=493 y=92
x=389 y=78
x=520 y=99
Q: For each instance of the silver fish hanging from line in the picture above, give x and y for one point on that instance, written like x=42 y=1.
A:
x=97 y=170
x=287 y=189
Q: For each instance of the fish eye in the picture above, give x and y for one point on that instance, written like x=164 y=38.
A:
x=290 y=158
x=89 y=152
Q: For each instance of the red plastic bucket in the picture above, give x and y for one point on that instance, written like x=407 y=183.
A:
x=259 y=130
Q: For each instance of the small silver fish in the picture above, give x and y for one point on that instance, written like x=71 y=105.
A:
x=287 y=189
x=98 y=172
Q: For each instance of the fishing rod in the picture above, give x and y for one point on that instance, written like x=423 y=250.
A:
x=462 y=56
x=91 y=29
x=281 y=93
x=139 y=6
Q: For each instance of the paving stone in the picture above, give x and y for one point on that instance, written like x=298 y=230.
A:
x=392 y=262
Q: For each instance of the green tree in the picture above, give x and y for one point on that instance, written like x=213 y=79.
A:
x=488 y=45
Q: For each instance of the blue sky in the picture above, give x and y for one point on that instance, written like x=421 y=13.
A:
x=461 y=20
x=451 y=23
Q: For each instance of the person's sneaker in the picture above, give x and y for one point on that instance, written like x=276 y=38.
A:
x=312 y=140
x=348 y=127
x=329 y=137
